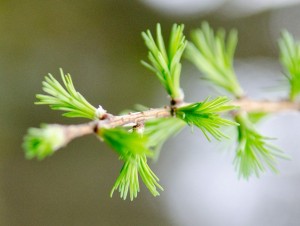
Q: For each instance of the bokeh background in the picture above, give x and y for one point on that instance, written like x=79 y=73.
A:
x=99 y=43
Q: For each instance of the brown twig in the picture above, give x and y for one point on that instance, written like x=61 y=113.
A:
x=132 y=119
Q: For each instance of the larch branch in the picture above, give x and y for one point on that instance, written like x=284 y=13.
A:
x=132 y=119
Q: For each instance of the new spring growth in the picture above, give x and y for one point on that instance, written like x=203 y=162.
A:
x=42 y=142
x=212 y=53
x=165 y=62
x=132 y=148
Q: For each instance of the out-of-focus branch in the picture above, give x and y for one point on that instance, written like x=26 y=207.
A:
x=266 y=106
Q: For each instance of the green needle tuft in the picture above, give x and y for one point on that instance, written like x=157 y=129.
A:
x=165 y=63
x=42 y=142
x=206 y=116
x=213 y=55
x=132 y=149
x=65 y=99
x=254 y=154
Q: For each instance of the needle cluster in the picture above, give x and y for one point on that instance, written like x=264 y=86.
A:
x=165 y=62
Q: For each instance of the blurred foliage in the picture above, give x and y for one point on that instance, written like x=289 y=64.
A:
x=290 y=59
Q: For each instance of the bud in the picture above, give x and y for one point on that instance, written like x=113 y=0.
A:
x=100 y=112
x=42 y=142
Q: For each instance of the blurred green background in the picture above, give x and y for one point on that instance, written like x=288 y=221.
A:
x=99 y=44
